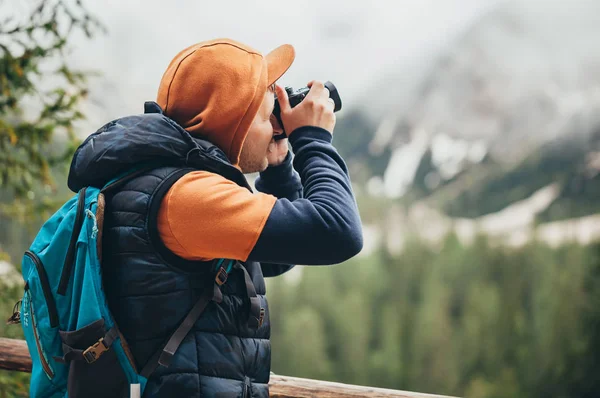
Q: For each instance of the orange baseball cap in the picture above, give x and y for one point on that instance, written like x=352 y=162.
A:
x=214 y=89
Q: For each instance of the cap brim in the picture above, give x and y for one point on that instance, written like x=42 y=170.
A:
x=279 y=61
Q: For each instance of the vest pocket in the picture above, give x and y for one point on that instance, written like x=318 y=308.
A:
x=101 y=374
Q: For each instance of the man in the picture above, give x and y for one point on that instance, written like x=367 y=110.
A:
x=167 y=227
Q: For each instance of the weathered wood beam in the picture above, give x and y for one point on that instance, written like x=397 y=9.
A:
x=14 y=356
x=295 y=387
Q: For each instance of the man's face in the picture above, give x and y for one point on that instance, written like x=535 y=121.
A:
x=253 y=157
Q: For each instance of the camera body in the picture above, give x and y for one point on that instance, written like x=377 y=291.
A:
x=296 y=97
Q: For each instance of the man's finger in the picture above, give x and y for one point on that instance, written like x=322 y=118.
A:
x=282 y=97
x=332 y=102
x=316 y=88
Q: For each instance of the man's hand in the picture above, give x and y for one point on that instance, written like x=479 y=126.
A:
x=315 y=110
x=277 y=152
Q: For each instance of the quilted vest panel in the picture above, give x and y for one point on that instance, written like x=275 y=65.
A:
x=150 y=291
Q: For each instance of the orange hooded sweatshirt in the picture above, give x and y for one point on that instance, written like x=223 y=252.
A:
x=214 y=89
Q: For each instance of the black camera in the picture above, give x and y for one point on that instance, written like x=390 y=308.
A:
x=296 y=97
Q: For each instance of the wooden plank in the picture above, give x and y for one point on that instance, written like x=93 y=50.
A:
x=14 y=356
x=294 y=387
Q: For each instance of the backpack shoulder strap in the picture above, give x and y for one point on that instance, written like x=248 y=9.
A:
x=165 y=354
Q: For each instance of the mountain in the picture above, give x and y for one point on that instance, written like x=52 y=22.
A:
x=570 y=162
x=512 y=106
x=516 y=80
x=500 y=135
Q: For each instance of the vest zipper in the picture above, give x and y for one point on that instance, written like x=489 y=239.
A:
x=43 y=360
x=246 y=391
x=45 y=284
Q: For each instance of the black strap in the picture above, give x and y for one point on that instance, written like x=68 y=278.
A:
x=165 y=355
x=257 y=313
x=90 y=354
x=67 y=268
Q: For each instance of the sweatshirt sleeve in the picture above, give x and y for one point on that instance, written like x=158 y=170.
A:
x=324 y=226
x=282 y=181
x=205 y=216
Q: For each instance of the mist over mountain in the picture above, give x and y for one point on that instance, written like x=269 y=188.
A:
x=503 y=125
x=526 y=71
x=524 y=74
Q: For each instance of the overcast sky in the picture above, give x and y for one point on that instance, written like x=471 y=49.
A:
x=352 y=43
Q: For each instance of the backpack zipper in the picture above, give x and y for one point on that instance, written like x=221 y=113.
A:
x=15 y=318
x=50 y=303
x=44 y=361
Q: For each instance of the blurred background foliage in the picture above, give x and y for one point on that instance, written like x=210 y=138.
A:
x=40 y=96
x=475 y=321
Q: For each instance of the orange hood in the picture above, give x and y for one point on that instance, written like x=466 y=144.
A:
x=214 y=89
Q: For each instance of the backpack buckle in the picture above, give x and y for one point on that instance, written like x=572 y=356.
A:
x=92 y=353
x=221 y=276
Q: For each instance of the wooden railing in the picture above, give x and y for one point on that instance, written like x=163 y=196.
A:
x=14 y=356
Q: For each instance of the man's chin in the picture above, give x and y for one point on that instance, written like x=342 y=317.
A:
x=255 y=168
x=262 y=166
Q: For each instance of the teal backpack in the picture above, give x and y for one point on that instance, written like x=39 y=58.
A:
x=75 y=346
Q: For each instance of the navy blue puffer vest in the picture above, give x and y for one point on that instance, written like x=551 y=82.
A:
x=150 y=290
